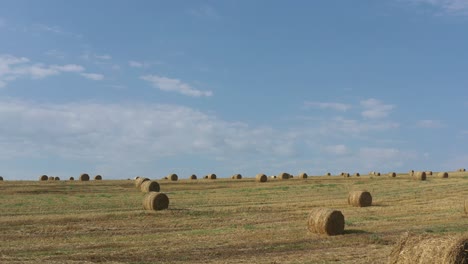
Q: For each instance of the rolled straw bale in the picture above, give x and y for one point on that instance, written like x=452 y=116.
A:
x=51 y=178
x=71 y=179
x=236 y=176
x=155 y=201
x=360 y=198
x=345 y=174
x=98 y=177
x=150 y=186
x=193 y=177
x=442 y=175
x=462 y=170
x=205 y=177
x=43 y=178
x=302 y=175
x=418 y=249
x=428 y=173
x=57 y=178
x=212 y=176
x=328 y=174
x=137 y=177
x=1 y=178
x=326 y=221
x=84 y=177
x=283 y=176
x=357 y=174
x=273 y=176
x=419 y=175
x=139 y=181
x=261 y=177
x=173 y=177
x=392 y=174
x=411 y=173
x=377 y=174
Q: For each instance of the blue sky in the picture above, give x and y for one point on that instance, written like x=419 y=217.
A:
x=127 y=88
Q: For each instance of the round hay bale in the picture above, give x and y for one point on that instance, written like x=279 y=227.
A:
x=461 y=169
x=51 y=178
x=150 y=186
x=261 y=177
x=419 y=175
x=155 y=201
x=43 y=178
x=71 y=179
x=57 y=179
x=328 y=174
x=211 y=176
x=392 y=174
x=172 y=177
x=345 y=174
x=357 y=174
x=283 y=176
x=377 y=174
x=84 y=177
x=236 y=177
x=273 y=176
x=205 y=177
x=1 y=178
x=411 y=173
x=428 y=173
x=193 y=177
x=326 y=221
x=302 y=175
x=137 y=177
x=430 y=249
x=442 y=174
x=139 y=181
x=98 y=177
x=360 y=198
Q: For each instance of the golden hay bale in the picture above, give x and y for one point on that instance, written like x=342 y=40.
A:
x=150 y=186
x=84 y=177
x=302 y=175
x=172 y=177
x=360 y=198
x=357 y=174
x=1 y=178
x=57 y=179
x=411 y=173
x=428 y=173
x=205 y=177
x=236 y=177
x=139 y=181
x=377 y=174
x=392 y=174
x=273 y=176
x=43 y=178
x=283 y=176
x=419 y=175
x=211 y=176
x=326 y=221
x=261 y=177
x=193 y=177
x=328 y=174
x=155 y=201
x=462 y=170
x=51 y=178
x=71 y=179
x=345 y=174
x=442 y=175
x=445 y=249
x=98 y=177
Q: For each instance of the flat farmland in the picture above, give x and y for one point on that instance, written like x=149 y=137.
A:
x=222 y=220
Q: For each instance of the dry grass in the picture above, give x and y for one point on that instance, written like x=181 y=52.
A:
x=222 y=221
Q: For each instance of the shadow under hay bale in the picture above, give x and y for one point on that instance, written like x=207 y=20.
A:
x=326 y=221
x=442 y=174
x=43 y=178
x=261 y=177
x=98 y=178
x=193 y=177
x=420 y=175
x=84 y=177
x=139 y=181
x=283 y=176
x=236 y=177
x=150 y=186
x=392 y=174
x=430 y=249
x=360 y=198
x=302 y=175
x=155 y=201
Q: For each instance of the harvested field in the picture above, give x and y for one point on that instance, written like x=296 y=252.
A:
x=223 y=221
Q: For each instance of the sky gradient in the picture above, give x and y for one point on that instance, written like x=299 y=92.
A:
x=127 y=88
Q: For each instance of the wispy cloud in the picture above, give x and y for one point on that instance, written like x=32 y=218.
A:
x=456 y=7
x=336 y=149
x=93 y=76
x=56 y=54
x=328 y=105
x=52 y=29
x=95 y=57
x=174 y=85
x=429 y=123
x=374 y=108
x=205 y=12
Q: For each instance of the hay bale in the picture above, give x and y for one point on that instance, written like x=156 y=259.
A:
x=236 y=177
x=193 y=177
x=43 y=178
x=84 y=177
x=139 y=181
x=71 y=179
x=326 y=221
x=56 y=179
x=461 y=169
x=172 y=177
x=430 y=249
x=428 y=173
x=205 y=177
x=360 y=198
x=442 y=175
x=345 y=174
x=357 y=174
x=150 y=186
x=261 y=177
x=98 y=177
x=419 y=175
x=155 y=201
x=273 y=176
x=377 y=174
x=1 y=178
x=211 y=176
x=51 y=178
x=302 y=175
x=328 y=174
x=392 y=174
x=411 y=173
x=283 y=176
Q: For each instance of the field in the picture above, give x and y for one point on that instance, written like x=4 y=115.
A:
x=222 y=220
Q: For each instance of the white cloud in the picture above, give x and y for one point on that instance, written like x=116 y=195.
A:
x=336 y=149
x=448 y=6
x=374 y=108
x=428 y=123
x=136 y=64
x=174 y=85
x=93 y=76
x=103 y=57
x=68 y=68
x=328 y=105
